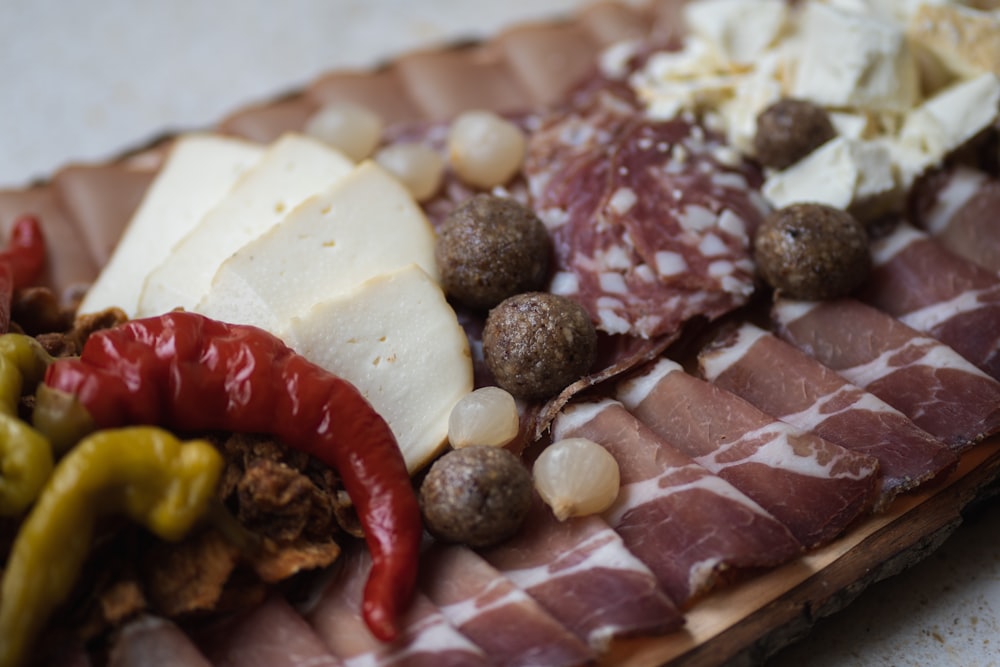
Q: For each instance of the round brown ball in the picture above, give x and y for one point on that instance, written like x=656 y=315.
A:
x=812 y=251
x=537 y=343
x=490 y=248
x=476 y=495
x=788 y=130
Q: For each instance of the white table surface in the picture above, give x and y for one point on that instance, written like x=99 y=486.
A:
x=83 y=81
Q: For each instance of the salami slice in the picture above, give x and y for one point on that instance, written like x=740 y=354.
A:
x=650 y=220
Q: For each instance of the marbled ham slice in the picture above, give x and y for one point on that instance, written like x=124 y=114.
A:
x=938 y=293
x=428 y=639
x=272 y=635
x=692 y=528
x=150 y=640
x=650 y=220
x=927 y=381
x=815 y=488
x=500 y=618
x=785 y=382
x=959 y=208
x=582 y=573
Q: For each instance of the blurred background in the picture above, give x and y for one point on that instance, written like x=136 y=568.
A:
x=85 y=81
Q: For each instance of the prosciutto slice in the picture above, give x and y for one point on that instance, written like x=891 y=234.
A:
x=937 y=292
x=151 y=640
x=785 y=382
x=582 y=573
x=959 y=207
x=500 y=618
x=271 y=635
x=926 y=380
x=692 y=528
x=815 y=488
x=428 y=639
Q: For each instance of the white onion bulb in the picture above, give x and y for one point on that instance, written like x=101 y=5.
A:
x=486 y=416
x=351 y=129
x=417 y=166
x=577 y=477
x=484 y=149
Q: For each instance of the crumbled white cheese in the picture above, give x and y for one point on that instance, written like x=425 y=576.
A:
x=841 y=172
x=966 y=41
x=738 y=30
x=852 y=59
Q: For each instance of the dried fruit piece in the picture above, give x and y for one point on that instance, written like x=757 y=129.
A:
x=576 y=477
x=812 y=251
x=490 y=248
x=477 y=496
x=790 y=129
x=536 y=344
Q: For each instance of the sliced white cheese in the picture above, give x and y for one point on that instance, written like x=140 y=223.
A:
x=294 y=168
x=198 y=173
x=365 y=224
x=854 y=59
x=399 y=342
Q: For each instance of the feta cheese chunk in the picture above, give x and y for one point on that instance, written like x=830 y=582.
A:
x=739 y=31
x=963 y=39
x=852 y=59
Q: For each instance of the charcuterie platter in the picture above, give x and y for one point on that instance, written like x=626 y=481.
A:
x=837 y=519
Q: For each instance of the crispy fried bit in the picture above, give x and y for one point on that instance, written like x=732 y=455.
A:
x=68 y=341
x=190 y=575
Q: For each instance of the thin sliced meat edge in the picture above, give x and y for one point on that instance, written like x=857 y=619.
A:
x=959 y=207
x=937 y=388
x=427 y=639
x=815 y=488
x=151 y=640
x=500 y=618
x=694 y=530
x=271 y=635
x=583 y=574
x=783 y=381
x=927 y=287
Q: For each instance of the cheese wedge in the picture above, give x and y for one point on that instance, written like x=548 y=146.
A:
x=198 y=173
x=294 y=168
x=364 y=225
x=399 y=342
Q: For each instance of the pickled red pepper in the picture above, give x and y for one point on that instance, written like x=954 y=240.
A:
x=21 y=263
x=25 y=455
x=142 y=472
x=189 y=372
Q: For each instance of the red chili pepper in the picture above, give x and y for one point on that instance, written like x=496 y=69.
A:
x=188 y=372
x=21 y=263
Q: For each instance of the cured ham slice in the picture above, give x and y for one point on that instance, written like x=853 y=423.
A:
x=815 y=488
x=650 y=220
x=692 y=528
x=582 y=573
x=785 y=382
x=920 y=282
x=926 y=380
x=150 y=640
x=428 y=639
x=271 y=635
x=500 y=618
x=959 y=208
